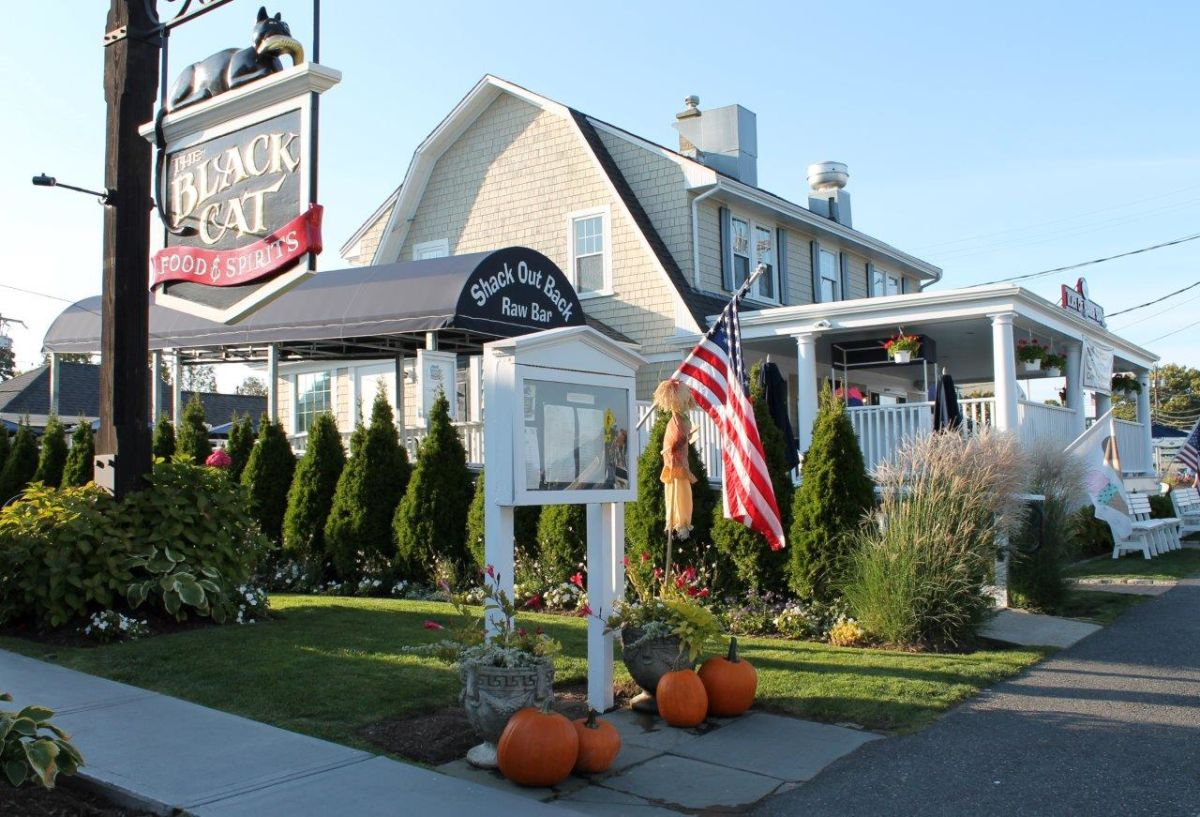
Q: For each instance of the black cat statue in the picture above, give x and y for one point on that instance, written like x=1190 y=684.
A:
x=234 y=67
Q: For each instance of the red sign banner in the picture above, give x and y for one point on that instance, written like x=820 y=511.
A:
x=227 y=268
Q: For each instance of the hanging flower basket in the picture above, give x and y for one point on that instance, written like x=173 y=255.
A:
x=1053 y=364
x=1030 y=353
x=902 y=347
x=1126 y=384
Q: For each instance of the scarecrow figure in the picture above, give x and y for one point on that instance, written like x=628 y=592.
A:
x=677 y=478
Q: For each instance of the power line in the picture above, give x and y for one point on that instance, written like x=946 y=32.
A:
x=1171 y=308
x=1138 y=251
x=1157 y=300
x=1176 y=332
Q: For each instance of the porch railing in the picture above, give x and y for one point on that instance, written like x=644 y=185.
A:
x=470 y=433
x=1131 y=447
x=882 y=429
x=1041 y=423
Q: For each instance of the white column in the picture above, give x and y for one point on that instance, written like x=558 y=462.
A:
x=605 y=584
x=273 y=382
x=499 y=375
x=1145 y=417
x=177 y=388
x=807 y=396
x=155 y=386
x=1074 y=374
x=1103 y=404
x=475 y=389
x=401 y=425
x=1004 y=367
x=55 y=382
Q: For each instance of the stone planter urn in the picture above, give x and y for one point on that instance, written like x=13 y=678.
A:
x=649 y=661
x=490 y=696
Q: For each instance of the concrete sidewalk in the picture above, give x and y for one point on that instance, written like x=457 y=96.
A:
x=163 y=754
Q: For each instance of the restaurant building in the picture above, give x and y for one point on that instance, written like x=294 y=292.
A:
x=649 y=241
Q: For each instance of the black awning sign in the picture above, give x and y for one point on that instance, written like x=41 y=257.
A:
x=518 y=286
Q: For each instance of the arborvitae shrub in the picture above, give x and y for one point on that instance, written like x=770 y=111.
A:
x=21 y=464
x=79 y=468
x=192 y=440
x=525 y=525
x=53 y=455
x=431 y=520
x=163 y=445
x=5 y=445
x=359 y=527
x=241 y=443
x=311 y=495
x=645 y=519
x=562 y=541
x=754 y=563
x=268 y=476
x=834 y=495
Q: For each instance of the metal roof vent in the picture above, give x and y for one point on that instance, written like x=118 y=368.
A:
x=828 y=175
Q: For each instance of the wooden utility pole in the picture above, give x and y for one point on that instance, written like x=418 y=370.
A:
x=130 y=85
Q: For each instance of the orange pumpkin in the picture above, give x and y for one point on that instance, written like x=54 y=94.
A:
x=599 y=743
x=730 y=683
x=538 y=747
x=681 y=698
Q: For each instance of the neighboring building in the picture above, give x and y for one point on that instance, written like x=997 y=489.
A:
x=28 y=396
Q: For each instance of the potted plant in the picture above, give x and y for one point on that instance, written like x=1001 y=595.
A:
x=902 y=347
x=1053 y=364
x=1030 y=353
x=664 y=628
x=1126 y=384
x=509 y=670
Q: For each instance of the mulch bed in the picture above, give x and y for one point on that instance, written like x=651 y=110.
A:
x=160 y=624
x=439 y=737
x=34 y=801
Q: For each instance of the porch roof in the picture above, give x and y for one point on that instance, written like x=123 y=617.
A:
x=948 y=310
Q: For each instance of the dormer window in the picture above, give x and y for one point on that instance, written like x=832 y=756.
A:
x=885 y=283
x=588 y=245
x=753 y=243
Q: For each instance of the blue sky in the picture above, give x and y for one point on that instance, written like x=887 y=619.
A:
x=993 y=140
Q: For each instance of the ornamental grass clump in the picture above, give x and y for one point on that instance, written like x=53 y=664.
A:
x=1046 y=543
x=917 y=574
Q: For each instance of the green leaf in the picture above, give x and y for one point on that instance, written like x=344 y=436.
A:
x=211 y=572
x=16 y=771
x=25 y=726
x=36 y=713
x=191 y=593
x=171 y=601
x=41 y=755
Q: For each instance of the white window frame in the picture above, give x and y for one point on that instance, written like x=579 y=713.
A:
x=333 y=392
x=838 y=295
x=439 y=248
x=884 y=277
x=773 y=230
x=605 y=214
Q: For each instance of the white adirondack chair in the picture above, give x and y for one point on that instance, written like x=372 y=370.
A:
x=1186 y=502
x=1164 y=532
x=1125 y=535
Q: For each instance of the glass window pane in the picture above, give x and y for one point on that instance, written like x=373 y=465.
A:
x=313 y=393
x=589 y=273
x=741 y=237
x=741 y=270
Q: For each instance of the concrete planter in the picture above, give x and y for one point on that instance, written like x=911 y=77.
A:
x=490 y=696
x=648 y=662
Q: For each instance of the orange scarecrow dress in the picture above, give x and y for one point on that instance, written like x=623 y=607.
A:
x=677 y=477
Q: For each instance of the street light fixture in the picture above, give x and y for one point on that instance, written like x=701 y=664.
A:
x=105 y=197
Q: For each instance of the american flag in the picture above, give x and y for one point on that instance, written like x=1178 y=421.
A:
x=716 y=374
x=1189 y=455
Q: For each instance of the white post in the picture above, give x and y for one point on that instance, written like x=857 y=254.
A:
x=475 y=389
x=399 y=397
x=273 y=382
x=605 y=585
x=55 y=382
x=1103 y=404
x=1004 y=366
x=807 y=397
x=177 y=388
x=1146 y=418
x=155 y=386
x=499 y=384
x=1074 y=375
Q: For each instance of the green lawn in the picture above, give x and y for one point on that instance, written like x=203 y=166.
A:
x=1177 y=564
x=1097 y=607
x=328 y=666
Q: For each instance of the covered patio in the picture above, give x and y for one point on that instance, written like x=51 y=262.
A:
x=970 y=333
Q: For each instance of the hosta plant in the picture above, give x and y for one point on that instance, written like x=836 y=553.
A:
x=177 y=586
x=32 y=748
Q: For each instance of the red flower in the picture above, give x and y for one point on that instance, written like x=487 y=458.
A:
x=703 y=593
x=218 y=459
x=692 y=591
x=627 y=561
x=645 y=556
x=689 y=573
x=585 y=610
x=658 y=573
x=535 y=601
x=491 y=571
x=433 y=625
x=577 y=580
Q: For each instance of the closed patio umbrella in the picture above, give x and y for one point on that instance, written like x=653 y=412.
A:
x=945 y=404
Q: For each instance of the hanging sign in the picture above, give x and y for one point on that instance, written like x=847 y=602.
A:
x=235 y=177
x=518 y=286
x=1076 y=300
